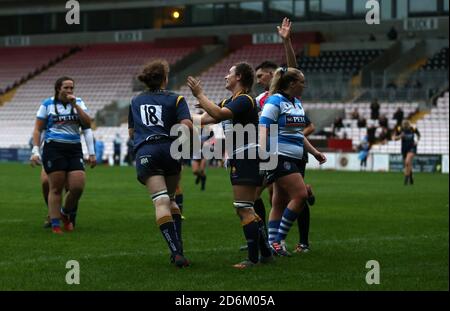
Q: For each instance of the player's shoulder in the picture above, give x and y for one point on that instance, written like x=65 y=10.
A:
x=274 y=99
x=48 y=101
x=262 y=95
x=246 y=98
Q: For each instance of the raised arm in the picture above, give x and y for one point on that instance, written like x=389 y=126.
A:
x=213 y=110
x=285 y=33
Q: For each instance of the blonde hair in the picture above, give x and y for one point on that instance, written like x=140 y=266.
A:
x=406 y=124
x=282 y=77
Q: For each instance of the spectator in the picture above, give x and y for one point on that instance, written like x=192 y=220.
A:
x=372 y=37
x=337 y=124
x=398 y=116
x=392 y=34
x=362 y=123
x=371 y=134
x=383 y=121
x=117 y=149
x=355 y=114
x=363 y=149
x=99 y=149
x=374 y=109
x=382 y=135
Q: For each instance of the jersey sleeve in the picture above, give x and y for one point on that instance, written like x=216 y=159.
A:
x=42 y=113
x=182 y=109
x=270 y=112
x=240 y=105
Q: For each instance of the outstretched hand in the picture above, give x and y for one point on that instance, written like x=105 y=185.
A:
x=195 y=86
x=285 y=29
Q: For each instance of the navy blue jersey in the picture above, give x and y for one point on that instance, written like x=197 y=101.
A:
x=152 y=115
x=408 y=137
x=245 y=111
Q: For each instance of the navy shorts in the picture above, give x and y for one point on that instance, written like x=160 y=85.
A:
x=286 y=166
x=405 y=151
x=62 y=157
x=154 y=159
x=244 y=172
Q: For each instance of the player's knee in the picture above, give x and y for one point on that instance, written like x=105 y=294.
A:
x=300 y=196
x=161 y=200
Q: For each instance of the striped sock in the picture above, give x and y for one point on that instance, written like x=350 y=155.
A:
x=273 y=230
x=55 y=222
x=286 y=223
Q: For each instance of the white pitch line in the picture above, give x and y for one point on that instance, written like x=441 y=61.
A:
x=215 y=249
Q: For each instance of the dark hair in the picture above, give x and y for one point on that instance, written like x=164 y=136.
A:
x=59 y=83
x=267 y=65
x=282 y=77
x=247 y=74
x=154 y=74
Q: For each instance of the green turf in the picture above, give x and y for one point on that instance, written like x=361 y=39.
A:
x=358 y=217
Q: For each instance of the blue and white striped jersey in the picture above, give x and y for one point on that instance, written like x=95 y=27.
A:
x=62 y=123
x=291 y=120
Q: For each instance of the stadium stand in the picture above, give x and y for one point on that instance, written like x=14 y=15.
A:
x=102 y=73
x=213 y=78
x=439 y=61
x=349 y=61
x=19 y=63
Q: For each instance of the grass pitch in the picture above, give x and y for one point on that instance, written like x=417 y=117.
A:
x=357 y=217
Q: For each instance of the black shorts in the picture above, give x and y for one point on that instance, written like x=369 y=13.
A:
x=405 y=151
x=154 y=159
x=62 y=157
x=244 y=172
x=286 y=166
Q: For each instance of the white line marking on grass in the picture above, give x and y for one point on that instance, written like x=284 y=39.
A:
x=7 y=221
x=214 y=249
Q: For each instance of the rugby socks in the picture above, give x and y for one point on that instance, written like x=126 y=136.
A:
x=263 y=244
x=286 y=223
x=179 y=200
x=167 y=227
x=405 y=182
x=251 y=232
x=73 y=215
x=203 y=182
x=177 y=221
x=273 y=230
x=303 y=225
x=260 y=209
x=55 y=223
x=411 y=181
